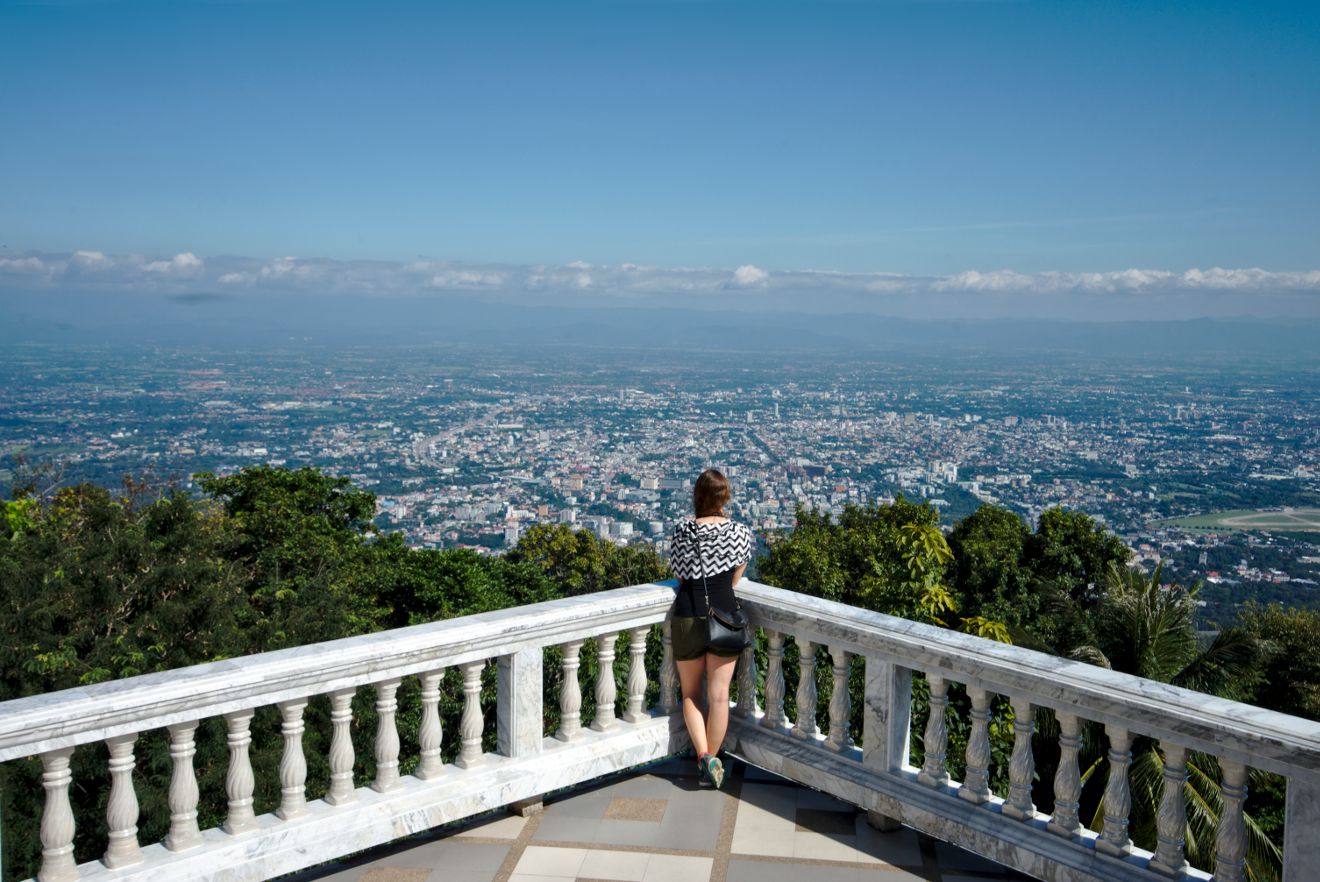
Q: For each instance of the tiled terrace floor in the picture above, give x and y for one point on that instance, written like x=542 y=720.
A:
x=656 y=824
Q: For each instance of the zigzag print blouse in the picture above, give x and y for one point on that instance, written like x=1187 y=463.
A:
x=724 y=545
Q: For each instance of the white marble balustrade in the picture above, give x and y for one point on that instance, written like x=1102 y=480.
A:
x=309 y=828
x=1014 y=686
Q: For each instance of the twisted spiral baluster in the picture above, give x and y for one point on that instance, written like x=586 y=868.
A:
x=387 y=737
x=570 y=693
x=606 y=691
x=840 y=702
x=636 y=711
x=1118 y=795
x=470 y=725
x=976 y=783
x=1171 y=819
x=1022 y=764
x=774 y=681
x=341 y=748
x=1231 y=841
x=805 y=725
x=239 y=782
x=1067 y=778
x=57 y=863
x=429 y=732
x=183 y=793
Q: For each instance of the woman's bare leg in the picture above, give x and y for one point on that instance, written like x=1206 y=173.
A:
x=691 y=674
x=719 y=673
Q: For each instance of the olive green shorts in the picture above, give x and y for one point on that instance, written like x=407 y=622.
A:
x=689 y=639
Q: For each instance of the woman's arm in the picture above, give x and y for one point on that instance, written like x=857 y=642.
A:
x=738 y=574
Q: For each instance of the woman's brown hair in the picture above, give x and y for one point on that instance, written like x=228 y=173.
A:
x=710 y=494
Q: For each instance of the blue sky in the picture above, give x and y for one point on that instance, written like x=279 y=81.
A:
x=915 y=138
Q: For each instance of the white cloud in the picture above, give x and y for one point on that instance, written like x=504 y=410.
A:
x=185 y=263
x=1003 y=291
x=747 y=275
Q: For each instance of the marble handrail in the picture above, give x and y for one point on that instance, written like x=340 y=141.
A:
x=82 y=715
x=1244 y=733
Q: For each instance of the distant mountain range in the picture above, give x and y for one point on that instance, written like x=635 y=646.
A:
x=220 y=319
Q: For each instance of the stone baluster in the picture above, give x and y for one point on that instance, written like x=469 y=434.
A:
x=57 y=863
x=976 y=783
x=1067 y=778
x=429 y=732
x=570 y=693
x=183 y=793
x=606 y=691
x=805 y=725
x=774 y=681
x=1171 y=819
x=341 y=748
x=387 y=737
x=1021 y=765
x=293 y=763
x=636 y=711
x=1118 y=795
x=1231 y=841
x=121 y=809
x=747 y=706
x=669 y=701
x=239 y=781
x=840 y=702
x=936 y=742
x=471 y=723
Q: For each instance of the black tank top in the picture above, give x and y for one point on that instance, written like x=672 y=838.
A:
x=691 y=601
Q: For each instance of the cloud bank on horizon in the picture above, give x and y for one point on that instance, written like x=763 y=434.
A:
x=1122 y=294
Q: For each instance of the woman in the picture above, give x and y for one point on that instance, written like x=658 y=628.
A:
x=706 y=544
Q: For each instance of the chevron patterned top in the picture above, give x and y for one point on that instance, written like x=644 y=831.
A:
x=723 y=546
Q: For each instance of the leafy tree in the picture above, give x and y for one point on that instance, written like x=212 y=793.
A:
x=580 y=563
x=990 y=575
x=300 y=534
x=1289 y=675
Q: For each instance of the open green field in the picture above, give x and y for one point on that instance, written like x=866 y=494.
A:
x=1287 y=520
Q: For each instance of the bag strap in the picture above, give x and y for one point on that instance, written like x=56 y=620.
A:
x=701 y=561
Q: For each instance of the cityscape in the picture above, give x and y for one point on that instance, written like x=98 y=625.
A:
x=469 y=446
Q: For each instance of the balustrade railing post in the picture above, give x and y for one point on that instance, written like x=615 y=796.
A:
x=669 y=700
x=341 y=789
x=1301 y=845
x=935 y=744
x=1022 y=764
x=1231 y=841
x=1114 y=838
x=747 y=704
x=805 y=725
x=976 y=782
x=293 y=762
x=570 y=693
x=183 y=793
x=239 y=781
x=606 y=691
x=840 y=738
x=387 y=737
x=429 y=732
x=57 y=826
x=1171 y=818
x=636 y=710
x=471 y=723
x=1067 y=778
x=774 y=681
x=121 y=810
x=519 y=711
x=886 y=724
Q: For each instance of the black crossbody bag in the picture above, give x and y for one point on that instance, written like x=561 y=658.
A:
x=727 y=631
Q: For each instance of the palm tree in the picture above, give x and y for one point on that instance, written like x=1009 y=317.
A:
x=1145 y=628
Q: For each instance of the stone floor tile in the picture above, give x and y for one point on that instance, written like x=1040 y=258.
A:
x=624 y=866
x=544 y=861
x=814 y=846
x=529 y=877
x=496 y=827
x=788 y=871
x=634 y=808
x=395 y=874
x=901 y=847
x=766 y=843
x=676 y=868
x=565 y=828
x=455 y=855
